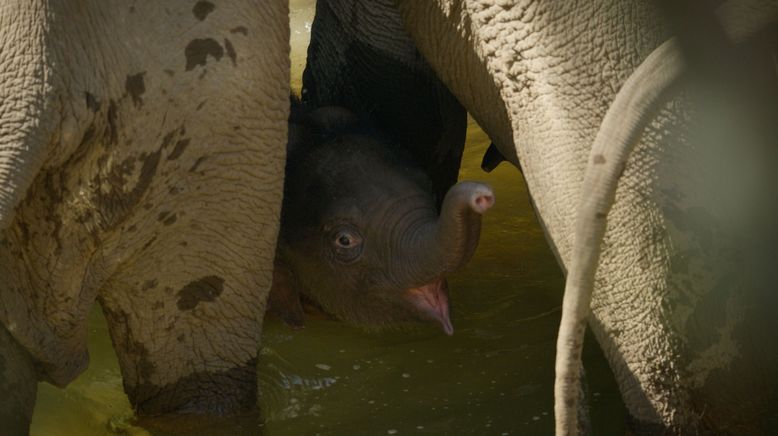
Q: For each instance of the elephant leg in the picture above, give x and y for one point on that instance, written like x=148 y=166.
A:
x=186 y=298
x=640 y=103
x=186 y=345
x=28 y=115
x=633 y=108
x=18 y=386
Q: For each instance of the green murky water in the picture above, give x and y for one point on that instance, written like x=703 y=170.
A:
x=494 y=376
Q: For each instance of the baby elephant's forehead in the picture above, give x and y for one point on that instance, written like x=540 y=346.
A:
x=364 y=168
x=343 y=210
x=381 y=192
x=372 y=199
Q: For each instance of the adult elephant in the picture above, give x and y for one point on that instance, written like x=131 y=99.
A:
x=683 y=293
x=142 y=151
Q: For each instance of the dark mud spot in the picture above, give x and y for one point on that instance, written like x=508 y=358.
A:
x=25 y=231
x=88 y=135
x=145 y=365
x=197 y=164
x=202 y=9
x=231 y=51
x=92 y=102
x=149 y=242
x=149 y=284
x=52 y=194
x=114 y=202
x=111 y=133
x=168 y=138
x=198 y=50
x=205 y=289
x=169 y=220
x=117 y=176
x=178 y=149
x=128 y=345
x=135 y=87
x=599 y=159
x=240 y=29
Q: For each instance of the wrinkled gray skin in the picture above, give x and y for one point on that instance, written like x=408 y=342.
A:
x=390 y=85
x=360 y=232
x=683 y=296
x=133 y=139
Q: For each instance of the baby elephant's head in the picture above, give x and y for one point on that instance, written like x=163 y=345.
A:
x=362 y=238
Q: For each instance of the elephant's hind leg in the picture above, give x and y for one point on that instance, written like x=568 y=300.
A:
x=187 y=347
x=18 y=386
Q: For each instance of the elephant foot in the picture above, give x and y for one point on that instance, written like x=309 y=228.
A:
x=18 y=386
x=187 y=351
x=218 y=393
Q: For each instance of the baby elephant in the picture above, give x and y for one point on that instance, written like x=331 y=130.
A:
x=361 y=236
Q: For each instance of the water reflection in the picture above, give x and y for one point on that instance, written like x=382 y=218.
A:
x=494 y=376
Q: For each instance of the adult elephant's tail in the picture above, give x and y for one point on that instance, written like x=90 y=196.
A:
x=635 y=105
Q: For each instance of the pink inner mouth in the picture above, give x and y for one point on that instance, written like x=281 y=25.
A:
x=432 y=300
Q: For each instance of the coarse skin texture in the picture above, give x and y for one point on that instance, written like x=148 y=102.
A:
x=736 y=85
x=620 y=130
x=383 y=78
x=25 y=96
x=679 y=294
x=360 y=232
x=141 y=165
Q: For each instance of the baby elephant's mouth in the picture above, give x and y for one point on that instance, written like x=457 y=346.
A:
x=431 y=300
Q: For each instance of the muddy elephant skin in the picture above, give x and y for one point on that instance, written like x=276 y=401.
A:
x=141 y=165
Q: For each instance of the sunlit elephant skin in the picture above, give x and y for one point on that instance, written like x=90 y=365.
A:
x=733 y=91
x=681 y=287
x=141 y=165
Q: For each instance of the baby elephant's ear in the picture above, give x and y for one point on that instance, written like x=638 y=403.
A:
x=333 y=119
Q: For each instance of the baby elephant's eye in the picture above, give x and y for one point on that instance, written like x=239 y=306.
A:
x=347 y=244
x=345 y=240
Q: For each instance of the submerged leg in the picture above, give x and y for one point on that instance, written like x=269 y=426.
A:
x=18 y=386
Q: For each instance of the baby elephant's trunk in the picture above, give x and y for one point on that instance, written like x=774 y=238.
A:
x=448 y=244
